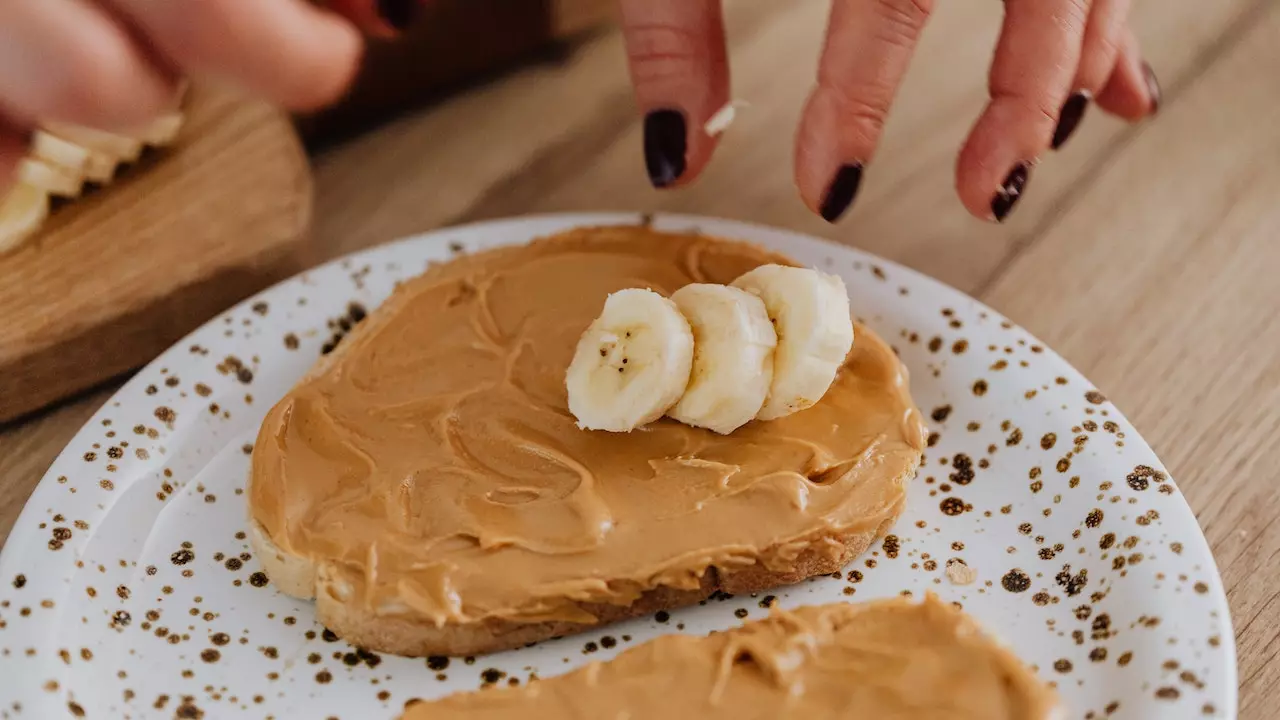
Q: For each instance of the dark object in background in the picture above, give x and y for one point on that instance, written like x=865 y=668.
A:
x=451 y=43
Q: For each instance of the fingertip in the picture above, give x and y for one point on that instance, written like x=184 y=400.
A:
x=835 y=140
x=679 y=71
x=1154 y=93
x=1125 y=98
x=1132 y=92
x=666 y=146
x=991 y=172
x=812 y=158
x=326 y=67
x=677 y=144
x=976 y=186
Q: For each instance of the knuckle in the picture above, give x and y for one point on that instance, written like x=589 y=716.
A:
x=862 y=111
x=663 y=52
x=1037 y=108
x=1098 y=61
x=1104 y=45
x=1072 y=15
x=908 y=16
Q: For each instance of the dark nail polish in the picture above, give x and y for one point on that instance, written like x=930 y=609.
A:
x=841 y=191
x=665 y=143
x=1153 y=87
x=399 y=14
x=1069 y=118
x=1010 y=191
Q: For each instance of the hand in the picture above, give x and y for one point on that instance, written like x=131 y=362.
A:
x=114 y=64
x=1053 y=58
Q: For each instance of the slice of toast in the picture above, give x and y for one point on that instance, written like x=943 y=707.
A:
x=883 y=659
x=792 y=509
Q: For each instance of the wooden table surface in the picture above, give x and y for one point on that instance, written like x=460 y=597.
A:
x=1148 y=255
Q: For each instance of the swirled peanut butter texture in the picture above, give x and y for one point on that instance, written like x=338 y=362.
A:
x=890 y=659
x=434 y=469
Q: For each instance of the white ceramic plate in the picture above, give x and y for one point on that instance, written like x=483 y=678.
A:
x=124 y=592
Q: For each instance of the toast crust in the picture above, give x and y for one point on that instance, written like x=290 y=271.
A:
x=405 y=634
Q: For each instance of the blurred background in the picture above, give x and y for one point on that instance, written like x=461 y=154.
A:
x=1147 y=255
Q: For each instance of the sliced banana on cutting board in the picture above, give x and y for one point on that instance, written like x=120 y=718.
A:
x=62 y=159
x=22 y=212
x=713 y=356
x=810 y=311
x=632 y=364
x=733 y=345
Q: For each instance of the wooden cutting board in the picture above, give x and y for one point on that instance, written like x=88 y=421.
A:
x=119 y=275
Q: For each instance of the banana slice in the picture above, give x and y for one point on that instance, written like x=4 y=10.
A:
x=124 y=149
x=58 y=152
x=810 y=312
x=632 y=364
x=52 y=180
x=733 y=346
x=161 y=131
x=22 y=212
x=101 y=167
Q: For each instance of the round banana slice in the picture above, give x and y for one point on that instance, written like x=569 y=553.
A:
x=733 y=345
x=22 y=211
x=810 y=312
x=632 y=364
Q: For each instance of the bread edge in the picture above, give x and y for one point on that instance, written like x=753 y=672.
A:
x=412 y=636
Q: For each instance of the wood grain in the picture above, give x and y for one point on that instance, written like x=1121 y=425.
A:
x=1146 y=254
x=119 y=276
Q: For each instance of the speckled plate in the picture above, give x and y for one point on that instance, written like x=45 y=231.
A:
x=127 y=589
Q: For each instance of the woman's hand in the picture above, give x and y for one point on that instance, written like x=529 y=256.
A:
x=1054 y=57
x=114 y=64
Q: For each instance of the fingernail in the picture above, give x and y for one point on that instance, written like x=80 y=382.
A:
x=1153 y=87
x=1010 y=191
x=841 y=191
x=665 y=143
x=1069 y=118
x=399 y=14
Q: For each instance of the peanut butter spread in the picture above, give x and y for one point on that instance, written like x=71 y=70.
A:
x=432 y=466
x=888 y=660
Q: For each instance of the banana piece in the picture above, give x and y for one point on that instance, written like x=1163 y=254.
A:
x=810 y=312
x=123 y=149
x=49 y=178
x=161 y=131
x=100 y=168
x=632 y=364
x=733 y=346
x=22 y=212
x=58 y=152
